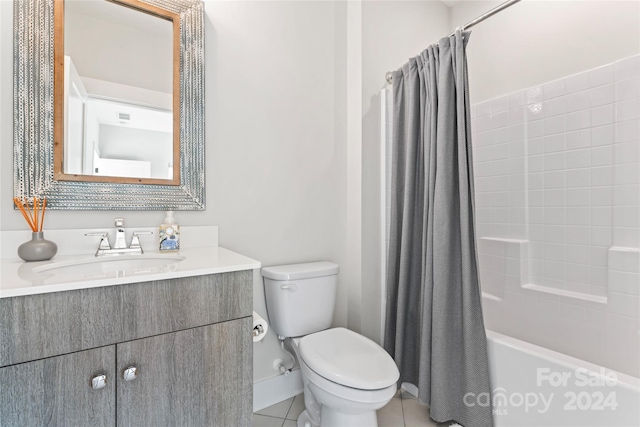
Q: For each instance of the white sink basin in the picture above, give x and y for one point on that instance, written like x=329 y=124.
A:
x=105 y=265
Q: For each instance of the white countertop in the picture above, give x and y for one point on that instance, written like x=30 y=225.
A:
x=18 y=278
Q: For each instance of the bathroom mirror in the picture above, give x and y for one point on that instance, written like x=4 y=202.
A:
x=94 y=129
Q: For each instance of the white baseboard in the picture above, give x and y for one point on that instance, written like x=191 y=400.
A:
x=273 y=390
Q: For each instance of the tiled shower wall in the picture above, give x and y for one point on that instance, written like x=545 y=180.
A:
x=557 y=174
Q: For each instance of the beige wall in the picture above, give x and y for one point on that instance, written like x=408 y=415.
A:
x=535 y=41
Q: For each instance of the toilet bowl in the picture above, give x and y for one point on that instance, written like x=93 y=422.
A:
x=346 y=376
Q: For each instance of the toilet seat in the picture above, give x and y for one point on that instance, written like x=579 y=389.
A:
x=349 y=359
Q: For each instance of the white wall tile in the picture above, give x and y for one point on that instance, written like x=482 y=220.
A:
x=626 y=195
x=534 y=111
x=535 y=163
x=578 y=216
x=627 y=67
x=627 y=88
x=626 y=174
x=579 y=235
x=553 y=89
x=578 y=197
x=601 y=236
x=578 y=178
x=602 y=115
x=517 y=115
x=554 y=216
x=517 y=132
x=577 y=273
x=559 y=165
x=499 y=120
x=555 y=179
x=601 y=75
x=555 y=233
x=577 y=101
x=536 y=180
x=577 y=82
x=517 y=182
x=534 y=94
x=602 y=135
x=624 y=282
x=517 y=99
x=554 y=161
x=627 y=131
x=483 y=109
x=578 y=120
x=602 y=95
x=578 y=254
x=626 y=236
x=499 y=104
x=578 y=159
x=601 y=196
x=554 y=143
x=626 y=152
x=554 y=107
x=578 y=139
x=602 y=156
x=536 y=215
x=602 y=175
x=554 y=125
x=535 y=128
x=628 y=109
x=601 y=216
x=626 y=216
x=622 y=304
x=554 y=197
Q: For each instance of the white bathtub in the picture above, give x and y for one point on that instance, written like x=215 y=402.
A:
x=534 y=386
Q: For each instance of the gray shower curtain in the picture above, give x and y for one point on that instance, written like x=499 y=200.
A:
x=434 y=327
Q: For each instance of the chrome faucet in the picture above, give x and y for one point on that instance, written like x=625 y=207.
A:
x=120 y=245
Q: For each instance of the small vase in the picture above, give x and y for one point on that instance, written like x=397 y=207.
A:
x=38 y=248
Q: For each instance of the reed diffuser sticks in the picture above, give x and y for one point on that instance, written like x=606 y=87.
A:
x=34 y=216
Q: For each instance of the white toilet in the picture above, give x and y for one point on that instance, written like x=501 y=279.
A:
x=346 y=376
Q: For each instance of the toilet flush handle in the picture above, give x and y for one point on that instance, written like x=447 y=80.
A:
x=289 y=287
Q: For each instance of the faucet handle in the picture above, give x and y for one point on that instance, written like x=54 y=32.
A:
x=119 y=222
x=104 y=240
x=135 y=240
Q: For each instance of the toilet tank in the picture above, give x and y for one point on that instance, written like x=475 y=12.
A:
x=300 y=297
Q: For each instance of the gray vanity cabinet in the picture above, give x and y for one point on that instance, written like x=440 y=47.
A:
x=195 y=377
x=57 y=391
x=188 y=342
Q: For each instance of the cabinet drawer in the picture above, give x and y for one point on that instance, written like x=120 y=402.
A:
x=44 y=325
x=58 y=391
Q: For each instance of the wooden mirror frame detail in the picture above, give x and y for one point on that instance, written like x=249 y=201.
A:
x=34 y=39
x=58 y=96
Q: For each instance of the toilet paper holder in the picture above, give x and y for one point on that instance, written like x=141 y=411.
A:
x=258 y=330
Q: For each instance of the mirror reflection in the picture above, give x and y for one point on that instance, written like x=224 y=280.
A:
x=118 y=92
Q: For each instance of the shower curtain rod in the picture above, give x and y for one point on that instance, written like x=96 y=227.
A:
x=470 y=24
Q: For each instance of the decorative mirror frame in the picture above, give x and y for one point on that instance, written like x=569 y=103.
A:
x=33 y=96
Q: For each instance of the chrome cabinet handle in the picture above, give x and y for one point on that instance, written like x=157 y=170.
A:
x=98 y=382
x=130 y=374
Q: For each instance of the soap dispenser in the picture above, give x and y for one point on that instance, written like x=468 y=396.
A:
x=169 y=234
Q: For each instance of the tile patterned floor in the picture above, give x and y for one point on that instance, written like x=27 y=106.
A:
x=402 y=411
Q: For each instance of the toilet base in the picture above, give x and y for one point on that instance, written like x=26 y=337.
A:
x=332 y=418
x=305 y=421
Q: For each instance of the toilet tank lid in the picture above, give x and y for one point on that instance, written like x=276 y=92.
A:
x=300 y=271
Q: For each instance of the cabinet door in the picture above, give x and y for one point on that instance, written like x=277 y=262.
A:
x=58 y=391
x=196 y=377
